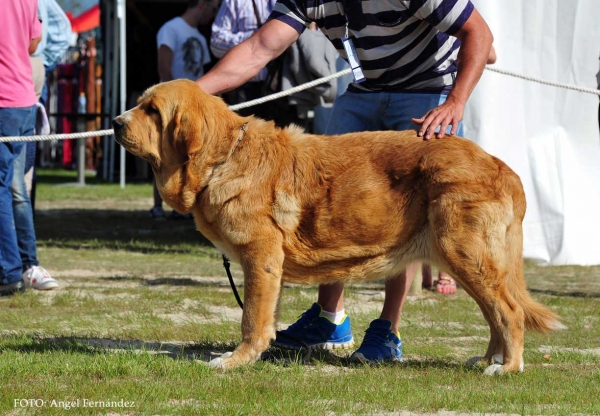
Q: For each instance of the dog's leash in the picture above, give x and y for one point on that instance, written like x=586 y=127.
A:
x=304 y=345
x=226 y=265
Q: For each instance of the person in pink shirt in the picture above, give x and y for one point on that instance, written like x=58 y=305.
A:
x=21 y=32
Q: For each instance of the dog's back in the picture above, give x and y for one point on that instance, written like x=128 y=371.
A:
x=371 y=196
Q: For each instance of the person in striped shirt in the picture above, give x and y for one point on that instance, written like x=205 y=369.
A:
x=416 y=63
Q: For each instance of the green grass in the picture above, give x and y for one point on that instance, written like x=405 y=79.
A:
x=143 y=305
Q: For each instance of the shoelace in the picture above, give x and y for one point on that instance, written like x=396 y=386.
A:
x=375 y=337
x=304 y=320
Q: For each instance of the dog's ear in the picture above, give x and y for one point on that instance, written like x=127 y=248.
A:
x=187 y=132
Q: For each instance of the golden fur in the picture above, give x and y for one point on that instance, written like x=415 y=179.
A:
x=302 y=208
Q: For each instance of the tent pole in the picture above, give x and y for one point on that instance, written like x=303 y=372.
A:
x=114 y=83
x=107 y=33
x=123 y=71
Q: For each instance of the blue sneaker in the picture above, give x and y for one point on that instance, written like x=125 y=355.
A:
x=316 y=331
x=379 y=345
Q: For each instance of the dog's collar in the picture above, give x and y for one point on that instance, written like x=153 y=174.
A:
x=240 y=138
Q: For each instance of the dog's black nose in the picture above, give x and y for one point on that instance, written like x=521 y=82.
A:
x=117 y=124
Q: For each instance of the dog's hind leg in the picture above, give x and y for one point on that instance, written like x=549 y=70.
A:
x=472 y=241
x=262 y=263
x=495 y=350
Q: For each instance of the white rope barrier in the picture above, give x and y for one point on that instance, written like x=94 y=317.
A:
x=291 y=90
x=543 y=81
x=41 y=138
x=281 y=94
x=236 y=107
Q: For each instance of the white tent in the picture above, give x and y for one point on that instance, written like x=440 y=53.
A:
x=548 y=135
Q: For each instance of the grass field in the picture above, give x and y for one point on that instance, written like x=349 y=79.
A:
x=143 y=305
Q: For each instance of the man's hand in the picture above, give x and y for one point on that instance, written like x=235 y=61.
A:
x=449 y=113
x=476 y=42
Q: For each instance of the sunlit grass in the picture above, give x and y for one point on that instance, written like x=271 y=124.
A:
x=143 y=305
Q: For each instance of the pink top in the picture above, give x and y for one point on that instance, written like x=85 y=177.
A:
x=20 y=24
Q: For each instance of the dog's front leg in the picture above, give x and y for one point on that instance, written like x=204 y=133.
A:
x=262 y=266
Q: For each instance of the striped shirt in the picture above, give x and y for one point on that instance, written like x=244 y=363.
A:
x=235 y=22
x=56 y=32
x=402 y=45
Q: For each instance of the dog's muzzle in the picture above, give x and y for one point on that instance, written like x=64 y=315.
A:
x=118 y=126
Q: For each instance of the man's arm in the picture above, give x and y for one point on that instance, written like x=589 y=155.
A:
x=33 y=44
x=35 y=35
x=476 y=41
x=165 y=59
x=245 y=60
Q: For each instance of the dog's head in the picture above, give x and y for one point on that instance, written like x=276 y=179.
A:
x=169 y=124
x=181 y=131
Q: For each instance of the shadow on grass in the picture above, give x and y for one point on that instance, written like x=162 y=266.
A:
x=79 y=345
x=187 y=282
x=177 y=281
x=205 y=352
x=116 y=229
x=589 y=295
x=279 y=356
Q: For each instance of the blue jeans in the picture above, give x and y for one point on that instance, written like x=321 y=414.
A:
x=353 y=112
x=44 y=96
x=13 y=122
x=23 y=213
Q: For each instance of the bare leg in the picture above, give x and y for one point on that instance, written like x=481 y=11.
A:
x=331 y=297
x=427 y=276
x=396 y=289
x=446 y=284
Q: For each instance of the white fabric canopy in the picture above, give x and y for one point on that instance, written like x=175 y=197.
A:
x=548 y=135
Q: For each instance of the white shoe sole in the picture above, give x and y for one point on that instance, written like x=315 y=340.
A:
x=46 y=286
x=328 y=346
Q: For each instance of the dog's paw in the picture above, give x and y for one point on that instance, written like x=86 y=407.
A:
x=219 y=362
x=494 y=370
x=499 y=359
x=497 y=367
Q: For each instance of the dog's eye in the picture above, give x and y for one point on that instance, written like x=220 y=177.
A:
x=151 y=109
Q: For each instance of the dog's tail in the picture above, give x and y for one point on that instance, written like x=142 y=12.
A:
x=537 y=317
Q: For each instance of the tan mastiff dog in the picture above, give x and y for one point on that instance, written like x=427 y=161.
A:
x=302 y=208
